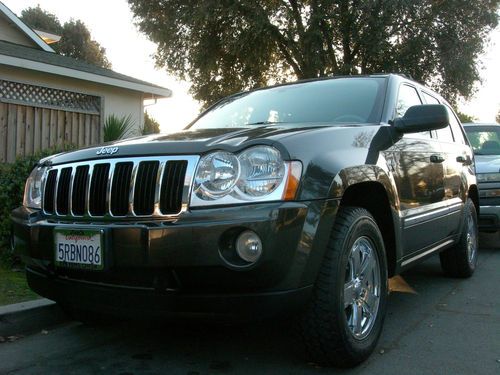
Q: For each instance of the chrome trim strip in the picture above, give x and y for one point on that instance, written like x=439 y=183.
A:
x=410 y=220
x=131 y=196
x=418 y=256
x=192 y=162
x=434 y=214
x=56 y=187
x=109 y=187
x=87 y=190
x=159 y=177
x=70 y=191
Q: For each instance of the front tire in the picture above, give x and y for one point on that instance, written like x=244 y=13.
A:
x=344 y=318
x=461 y=260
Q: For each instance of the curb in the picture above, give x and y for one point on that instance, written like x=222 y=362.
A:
x=31 y=316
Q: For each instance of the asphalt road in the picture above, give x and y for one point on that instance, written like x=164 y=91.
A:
x=448 y=327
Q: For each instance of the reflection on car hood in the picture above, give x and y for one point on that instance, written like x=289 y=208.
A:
x=192 y=142
x=487 y=163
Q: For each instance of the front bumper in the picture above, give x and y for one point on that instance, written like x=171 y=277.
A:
x=489 y=218
x=176 y=267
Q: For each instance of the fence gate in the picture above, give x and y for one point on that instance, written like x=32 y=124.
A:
x=34 y=118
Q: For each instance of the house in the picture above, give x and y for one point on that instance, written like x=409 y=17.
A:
x=48 y=100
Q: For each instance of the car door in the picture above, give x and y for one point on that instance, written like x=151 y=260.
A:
x=458 y=155
x=419 y=179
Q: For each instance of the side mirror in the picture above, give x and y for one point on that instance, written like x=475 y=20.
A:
x=425 y=117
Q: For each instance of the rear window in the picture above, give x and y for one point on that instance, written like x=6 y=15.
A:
x=485 y=140
x=335 y=101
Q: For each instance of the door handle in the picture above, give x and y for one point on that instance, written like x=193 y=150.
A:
x=436 y=159
x=465 y=160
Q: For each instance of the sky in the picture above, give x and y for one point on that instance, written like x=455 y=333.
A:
x=111 y=24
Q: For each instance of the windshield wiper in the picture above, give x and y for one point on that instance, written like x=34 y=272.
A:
x=264 y=122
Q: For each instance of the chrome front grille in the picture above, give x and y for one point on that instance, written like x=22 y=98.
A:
x=136 y=187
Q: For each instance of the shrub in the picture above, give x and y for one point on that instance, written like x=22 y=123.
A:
x=151 y=126
x=12 y=179
x=116 y=128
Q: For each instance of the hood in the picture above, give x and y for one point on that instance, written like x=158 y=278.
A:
x=487 y=163
x=196 y=142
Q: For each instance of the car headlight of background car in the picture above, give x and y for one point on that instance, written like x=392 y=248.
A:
x=33 y=188
x=257 y=174
x=488 y=177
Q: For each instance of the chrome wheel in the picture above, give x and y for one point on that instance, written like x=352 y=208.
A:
x=362 y=288
x=471 y=240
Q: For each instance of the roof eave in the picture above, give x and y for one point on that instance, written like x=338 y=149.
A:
x=25 y=29
x=153 y=91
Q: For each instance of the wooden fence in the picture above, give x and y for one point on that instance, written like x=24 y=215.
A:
x=24 y=130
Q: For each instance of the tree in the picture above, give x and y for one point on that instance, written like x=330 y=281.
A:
x=39 y=19
x=75 y=41
x=465 y=117
x=151 y=126
x=224 y=46
x=497 y=119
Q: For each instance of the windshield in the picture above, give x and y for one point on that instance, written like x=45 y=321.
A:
x=485 y=140
x=340 y=100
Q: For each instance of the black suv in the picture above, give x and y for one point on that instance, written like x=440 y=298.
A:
x=301 y=198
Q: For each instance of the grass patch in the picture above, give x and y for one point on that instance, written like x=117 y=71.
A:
x=13 y=286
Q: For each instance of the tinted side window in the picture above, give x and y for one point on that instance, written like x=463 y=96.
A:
x=429 y=99
x=408 y=97
x=455 y=127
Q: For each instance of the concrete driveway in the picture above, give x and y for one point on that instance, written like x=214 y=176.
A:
x=448 y=327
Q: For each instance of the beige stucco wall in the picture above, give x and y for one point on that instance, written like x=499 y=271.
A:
x=120 y=102
x=11 y=33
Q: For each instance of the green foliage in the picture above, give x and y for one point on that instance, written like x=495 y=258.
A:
x=39 y=19
x=231 y=45
x=151 y=126
x=76 y=40
x=13 y=286
x=465 y=117
x=12 y=179
x=116 y=128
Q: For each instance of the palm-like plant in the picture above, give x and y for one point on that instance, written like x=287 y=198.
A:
x=116 y=128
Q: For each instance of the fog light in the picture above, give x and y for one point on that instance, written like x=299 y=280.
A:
x=249 y=246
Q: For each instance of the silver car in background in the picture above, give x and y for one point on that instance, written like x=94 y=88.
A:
x=485 y=141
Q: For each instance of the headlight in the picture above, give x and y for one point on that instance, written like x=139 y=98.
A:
x=216 y=175
x=262 y=170
x=33 y=188
x=488 y=177
x=257 y=174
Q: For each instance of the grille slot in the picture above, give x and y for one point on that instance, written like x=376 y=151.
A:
x=98 y=188
x=63 y=191
x=121 y=188
x=145 y=186
x=79 y=194
x=172 y=186
x=49 y=193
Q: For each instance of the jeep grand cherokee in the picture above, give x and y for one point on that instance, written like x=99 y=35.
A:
x=300 y=198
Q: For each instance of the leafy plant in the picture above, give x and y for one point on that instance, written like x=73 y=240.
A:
x=12 y=179
x=116 y=128
x=151 y=126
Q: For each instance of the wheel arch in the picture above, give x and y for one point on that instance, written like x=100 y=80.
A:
x=372 y=196
x=474 y=195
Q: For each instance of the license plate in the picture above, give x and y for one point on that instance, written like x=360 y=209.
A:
x=79 y=248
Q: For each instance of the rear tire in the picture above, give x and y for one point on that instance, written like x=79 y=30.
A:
x=343 y=320
x=461 y=260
